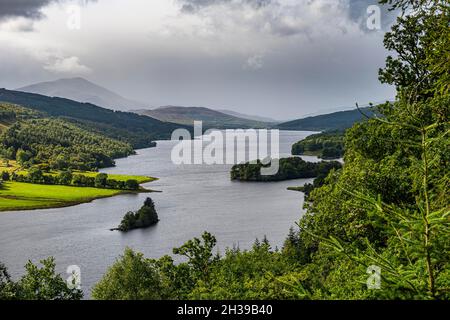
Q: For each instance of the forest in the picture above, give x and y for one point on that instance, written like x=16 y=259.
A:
x=60 y=145
x=386 y=211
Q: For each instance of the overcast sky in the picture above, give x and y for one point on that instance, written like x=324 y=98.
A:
x=278 y=58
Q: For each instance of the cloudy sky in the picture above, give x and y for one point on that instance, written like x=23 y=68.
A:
x=277 y=58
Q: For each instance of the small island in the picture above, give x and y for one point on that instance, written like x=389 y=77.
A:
x=145 y=217
x=290 y=168
x=325 y=145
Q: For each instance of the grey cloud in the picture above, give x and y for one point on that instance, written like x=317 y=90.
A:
x=22 y=8
x=357 y=12
x=30 y=9
x=191 y=6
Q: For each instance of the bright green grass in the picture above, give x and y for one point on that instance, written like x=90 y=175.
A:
x=26 y=196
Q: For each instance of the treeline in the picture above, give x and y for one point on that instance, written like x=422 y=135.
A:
x=289 y=168
x=67 y=178
x=60 y=145
x=326 y=145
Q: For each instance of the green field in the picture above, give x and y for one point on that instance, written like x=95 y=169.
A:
x=26 y=196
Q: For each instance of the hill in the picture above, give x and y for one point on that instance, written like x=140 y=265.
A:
x=248 y=116
x=211 y=118
x=82 y=90
x=138 y=131
x=333 y=121
x=32 y=138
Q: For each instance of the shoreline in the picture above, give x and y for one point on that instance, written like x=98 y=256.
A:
x=69 y=203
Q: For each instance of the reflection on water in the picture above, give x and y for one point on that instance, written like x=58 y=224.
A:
x=194 y=198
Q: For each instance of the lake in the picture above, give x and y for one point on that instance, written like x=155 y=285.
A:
x=194 y=198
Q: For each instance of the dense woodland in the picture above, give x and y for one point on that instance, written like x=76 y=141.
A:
x=387 y=207
x=326 y=145
x=61 y=145
x=289 y=168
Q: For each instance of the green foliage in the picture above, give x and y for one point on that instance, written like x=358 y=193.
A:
x=327 y=145
x=100 y=180
x=146 y=216
x=61 y=144
x=132 y=277
x=199 y=255
x=38 y=283
x=290 y=168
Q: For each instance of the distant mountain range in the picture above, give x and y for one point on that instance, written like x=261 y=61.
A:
x=328 y=122
x=249 y=117
x=78 y=90
x=210 y=118
x=138 y=131
x=82 y=90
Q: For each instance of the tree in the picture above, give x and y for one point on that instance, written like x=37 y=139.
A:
x=146 y=216
x=35 y=175
x=132 y=277
x=131 y=184
x=100 y=180
x=5 y=176
x=65 y=177
x=37 y=284
x=199 y=254
x=7 y=286
x=23 y=156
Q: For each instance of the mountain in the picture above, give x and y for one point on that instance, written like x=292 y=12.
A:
x=333 y=121
x=138 y=131
x=248 y=117
x=210 y=118
x=82 y=90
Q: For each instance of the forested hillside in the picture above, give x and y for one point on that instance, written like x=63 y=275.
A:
x=328 y=122
x=139 y=131
x=31 y=138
